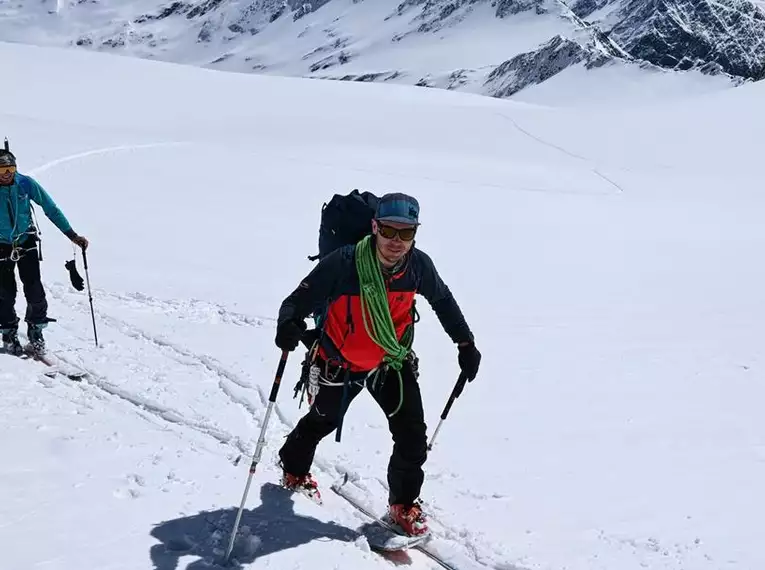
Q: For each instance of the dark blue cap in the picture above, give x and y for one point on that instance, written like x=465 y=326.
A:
x=399 y=208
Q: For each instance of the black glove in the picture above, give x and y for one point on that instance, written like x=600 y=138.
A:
x=74 y=275
x=77 y=239
x=288 y=334
x=469 y=359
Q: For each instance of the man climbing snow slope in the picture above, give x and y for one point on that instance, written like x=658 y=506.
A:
x=19 y=248
x=368 y=291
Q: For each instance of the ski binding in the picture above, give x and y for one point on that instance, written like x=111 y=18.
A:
x=381 y=534
x=56 y=365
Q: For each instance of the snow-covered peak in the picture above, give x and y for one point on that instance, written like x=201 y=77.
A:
x=456 y=44
x=686 y=34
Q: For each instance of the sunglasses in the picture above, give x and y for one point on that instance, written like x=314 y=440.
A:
x=388 y=232
x=7 y=170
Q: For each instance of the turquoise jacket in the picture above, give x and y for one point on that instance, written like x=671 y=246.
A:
x=16 y=208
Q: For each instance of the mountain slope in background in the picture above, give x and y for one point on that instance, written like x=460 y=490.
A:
x=492 y=47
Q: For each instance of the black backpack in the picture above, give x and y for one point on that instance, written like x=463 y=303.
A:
x=345 y=220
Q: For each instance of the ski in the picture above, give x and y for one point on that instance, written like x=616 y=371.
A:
x=380 y=533
x=383 y=539
x=380 y=537
x=50 y=373
x=56 y=364
x=428 y=544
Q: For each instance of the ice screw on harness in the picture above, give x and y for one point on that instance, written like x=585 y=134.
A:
x=375 y=312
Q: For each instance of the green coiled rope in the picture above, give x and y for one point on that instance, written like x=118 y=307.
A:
x=375 y=313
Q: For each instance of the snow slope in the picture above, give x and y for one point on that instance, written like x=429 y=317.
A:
x=606 y=260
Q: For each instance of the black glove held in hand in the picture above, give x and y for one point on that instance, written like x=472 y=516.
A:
x=288 y=334
x=74 y=275
x=469 y=360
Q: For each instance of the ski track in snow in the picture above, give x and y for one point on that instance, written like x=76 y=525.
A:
x=186 y=309
x=191 y=310
x=302 y=160
x=447 y=537
x=566 y=152
x=180 y=356
x=195 y=310
x=100 y=151
x=542 y=141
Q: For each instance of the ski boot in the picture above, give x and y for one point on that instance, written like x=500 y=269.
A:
x=305 y=485
x=409 y=518
x=11 y=344
x=36 y=340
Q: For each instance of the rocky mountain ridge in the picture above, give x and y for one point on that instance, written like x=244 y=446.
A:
x=509 y=44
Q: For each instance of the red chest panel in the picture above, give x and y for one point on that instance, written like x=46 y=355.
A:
x=348 y=334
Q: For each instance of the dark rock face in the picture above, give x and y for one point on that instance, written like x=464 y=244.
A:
x=436 y=11
x=203 y=8
x=302 y=8
x=687 y=34
x=584 y=8
x=673 y=34
x=511 y=7
x=265 y=11
x=537 y=66
x=166 y=12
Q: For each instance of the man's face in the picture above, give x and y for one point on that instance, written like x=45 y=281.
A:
x=7 y=174
x=390 y=239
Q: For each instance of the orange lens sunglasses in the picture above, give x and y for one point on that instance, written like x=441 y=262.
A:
x=389 y=232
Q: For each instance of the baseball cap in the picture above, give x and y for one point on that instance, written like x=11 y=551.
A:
x=398 y=207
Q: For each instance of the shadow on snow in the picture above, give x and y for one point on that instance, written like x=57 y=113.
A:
x=271 y=527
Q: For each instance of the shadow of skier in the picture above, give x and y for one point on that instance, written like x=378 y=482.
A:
x=271 y=527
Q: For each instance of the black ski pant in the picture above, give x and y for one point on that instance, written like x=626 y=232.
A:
x=407 y=426
x=29 y=273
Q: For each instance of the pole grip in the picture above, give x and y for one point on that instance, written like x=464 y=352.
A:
x=456 y=391
x=278 y=378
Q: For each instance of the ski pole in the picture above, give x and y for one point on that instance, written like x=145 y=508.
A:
x=458 y=387
x=90 y=295
x=258 y=450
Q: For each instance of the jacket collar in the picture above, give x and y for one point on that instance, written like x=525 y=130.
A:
x=14 y=184
x=397 y=271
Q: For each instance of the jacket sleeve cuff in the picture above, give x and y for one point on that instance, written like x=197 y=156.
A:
x=70 y=233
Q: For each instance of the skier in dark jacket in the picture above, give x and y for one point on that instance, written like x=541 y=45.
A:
x=18 y=248
x=360 y=346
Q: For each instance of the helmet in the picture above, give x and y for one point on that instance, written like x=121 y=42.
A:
x=7 y=158
x=7 y=165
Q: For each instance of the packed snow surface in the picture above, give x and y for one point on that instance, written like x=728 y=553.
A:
x=607 y=260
